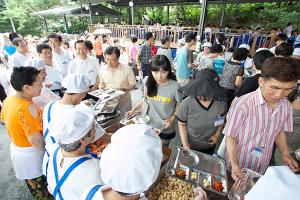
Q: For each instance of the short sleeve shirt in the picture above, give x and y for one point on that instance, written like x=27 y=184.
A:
x=254 y=124
x=20 y=123
x=200 y=120
x=89 y=67
x=230 y=71
x=162 y=106
x=117 y=78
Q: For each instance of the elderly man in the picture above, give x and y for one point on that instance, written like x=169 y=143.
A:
x=84 y=64
x=70 y=169
x=117 y=76
x=61 y=57
x=259 y=119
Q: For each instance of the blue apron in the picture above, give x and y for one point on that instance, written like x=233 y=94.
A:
x=92 y=192
x=60 y=182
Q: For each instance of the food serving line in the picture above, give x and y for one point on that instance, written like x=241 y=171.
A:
x=181 y=170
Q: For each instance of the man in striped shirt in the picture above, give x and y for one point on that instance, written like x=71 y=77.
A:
x=256 y=120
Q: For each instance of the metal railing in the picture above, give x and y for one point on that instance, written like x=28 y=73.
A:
x=233 y=37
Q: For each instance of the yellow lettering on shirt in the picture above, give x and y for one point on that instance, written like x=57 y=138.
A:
x=161 y=99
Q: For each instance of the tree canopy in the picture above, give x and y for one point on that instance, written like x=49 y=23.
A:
x=265 y=15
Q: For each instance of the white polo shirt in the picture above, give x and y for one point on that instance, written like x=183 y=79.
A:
x=54 y=77
x=61 y=62
x=84 y=175
x=18 y=60
x=89 y=67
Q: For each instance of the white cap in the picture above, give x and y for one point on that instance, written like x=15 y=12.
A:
x=296 y=52
x=261 y=49
x=76 y=83
x=207 y=44
x=271 y=185
x=181 y=41
x=72 y=124
x=131 y=162
x=246 y=46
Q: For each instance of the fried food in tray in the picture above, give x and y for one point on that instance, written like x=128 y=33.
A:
x=217 y=184
x=171 y=189
x=97 y=147
x=180 y=173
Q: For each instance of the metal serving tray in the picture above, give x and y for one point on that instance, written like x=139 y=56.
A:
x=106 y=94
x=199 y=169
x=241 y=187
x=144 y=119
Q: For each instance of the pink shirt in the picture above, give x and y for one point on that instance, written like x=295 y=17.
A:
x=255 y=125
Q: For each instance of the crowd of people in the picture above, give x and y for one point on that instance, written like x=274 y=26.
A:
x=219 y=97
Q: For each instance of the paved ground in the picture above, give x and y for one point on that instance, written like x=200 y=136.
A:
x=10 y=187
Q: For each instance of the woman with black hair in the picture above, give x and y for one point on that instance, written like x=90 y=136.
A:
x=160 y=93
x=23 y=121
x=201 y=115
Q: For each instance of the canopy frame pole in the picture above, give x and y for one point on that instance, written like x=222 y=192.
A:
x=46 y=25
x=66 y=23
x=10 y=18
x=202 y=18
x=90 y=12
x=222 y=14
x=168 y=14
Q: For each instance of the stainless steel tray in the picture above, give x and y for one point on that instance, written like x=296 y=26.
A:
x=106 y=94
x=144 y=119
x=241 y=187
x=199 y=169
x=110 y=106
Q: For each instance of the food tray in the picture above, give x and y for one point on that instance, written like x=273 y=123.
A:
x=144 y=119
x=241 y=187
x=199 y=169
x=106 y=94
x=111 y=121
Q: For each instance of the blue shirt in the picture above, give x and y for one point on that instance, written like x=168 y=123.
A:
x=10 y=50
x=183 y=71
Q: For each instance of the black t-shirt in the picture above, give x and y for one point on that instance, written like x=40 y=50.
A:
x=250 y=84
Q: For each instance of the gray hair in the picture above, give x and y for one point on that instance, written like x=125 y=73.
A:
x=75 y=145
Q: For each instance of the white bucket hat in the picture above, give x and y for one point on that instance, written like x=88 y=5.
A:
x=207 y=44
x=131 y=162
x=72 y=124
x=246 y=46
x=76 y=83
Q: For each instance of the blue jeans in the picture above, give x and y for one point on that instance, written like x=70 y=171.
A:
x=145 y=69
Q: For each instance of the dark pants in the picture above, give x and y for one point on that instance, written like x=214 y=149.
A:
x=38 y=188
x=2 y=95
x=100 y=58
x=145 y=69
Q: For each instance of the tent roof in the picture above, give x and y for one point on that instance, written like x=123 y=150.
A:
x=76 y=10
x=164 y=2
